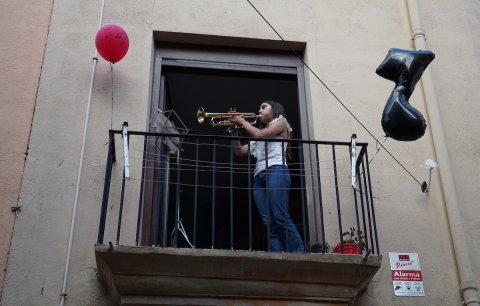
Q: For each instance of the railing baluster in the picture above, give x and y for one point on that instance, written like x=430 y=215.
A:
x=266 y=196
x=122 y=196
x=368 y=209
x=142 y=190
x=120 y=210
x=356 y=173
x=362 y=204
x=286 y=193
x=250 y=223
x=106 y=187
x=231 y=198
x=337 y=195
x=154 y=214
x=302 y=196
x=195 y=197
x=177 y=196
x=112 y=142
x=214 y=159
x=373 y=208
x=166 y=197
x=370 y=227
x=322 y=226
x=356 y=204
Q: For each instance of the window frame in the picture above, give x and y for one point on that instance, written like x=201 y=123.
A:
x=227 y=58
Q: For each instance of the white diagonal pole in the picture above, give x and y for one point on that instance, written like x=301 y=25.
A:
x=63 y=294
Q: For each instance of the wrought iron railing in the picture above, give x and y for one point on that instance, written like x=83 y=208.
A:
x=194 y=192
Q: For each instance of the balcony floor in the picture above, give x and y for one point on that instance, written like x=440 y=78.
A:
x=168 y=276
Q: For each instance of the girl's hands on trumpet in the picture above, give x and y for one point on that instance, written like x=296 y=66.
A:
x=232 y=130
x=238 y=120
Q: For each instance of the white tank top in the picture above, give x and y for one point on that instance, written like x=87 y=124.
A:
x=276 y=156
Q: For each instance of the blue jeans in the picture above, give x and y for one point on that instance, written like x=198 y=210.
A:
x=274 y=183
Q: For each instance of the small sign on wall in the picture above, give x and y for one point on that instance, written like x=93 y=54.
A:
x=406 y=274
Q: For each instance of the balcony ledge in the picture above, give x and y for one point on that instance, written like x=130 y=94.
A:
x=168 y=276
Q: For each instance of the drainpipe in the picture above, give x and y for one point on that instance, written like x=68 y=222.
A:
x=63 y=294
x=468 y=286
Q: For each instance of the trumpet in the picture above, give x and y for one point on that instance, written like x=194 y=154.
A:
x=222 y=119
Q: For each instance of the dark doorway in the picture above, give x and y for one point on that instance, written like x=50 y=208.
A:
x=218 y=90
x=184 y=89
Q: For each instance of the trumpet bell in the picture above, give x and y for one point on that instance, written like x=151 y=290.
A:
x=201 y=115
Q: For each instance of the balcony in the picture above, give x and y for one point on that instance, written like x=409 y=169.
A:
x=178 y=224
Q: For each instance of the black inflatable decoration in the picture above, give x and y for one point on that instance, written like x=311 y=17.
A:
x=400 y=120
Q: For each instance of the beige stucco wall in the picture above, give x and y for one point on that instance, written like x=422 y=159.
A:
x=345 y=40
x=24 y=28
x=468 y=160
x=457 y=75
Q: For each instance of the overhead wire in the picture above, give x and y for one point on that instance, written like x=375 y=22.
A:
x=328 y=89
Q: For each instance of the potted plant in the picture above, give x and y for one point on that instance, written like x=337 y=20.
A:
x=353 y=242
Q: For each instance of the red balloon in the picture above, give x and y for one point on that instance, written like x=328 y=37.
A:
x=112 y=42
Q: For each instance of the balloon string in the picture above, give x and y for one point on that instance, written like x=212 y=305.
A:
x=377 y=143
x=329 y=90
x=111 y=113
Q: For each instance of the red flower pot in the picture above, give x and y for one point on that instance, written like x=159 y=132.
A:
x=348 y=248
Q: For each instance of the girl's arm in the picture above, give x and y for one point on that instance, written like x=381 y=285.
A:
x=238 y=149
x=276 y=128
